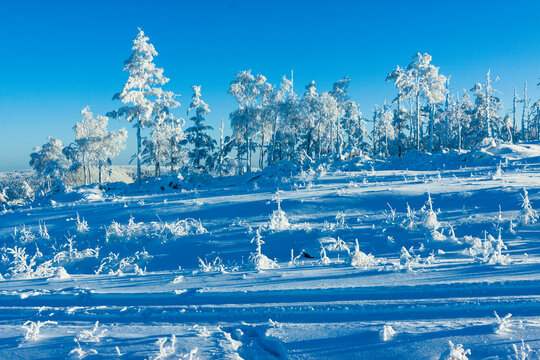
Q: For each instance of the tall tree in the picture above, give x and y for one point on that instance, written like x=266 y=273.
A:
x=141 y=90
x=202 y=144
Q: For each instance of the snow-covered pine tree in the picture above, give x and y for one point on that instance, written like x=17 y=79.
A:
x=141 y=90
x=202 y=144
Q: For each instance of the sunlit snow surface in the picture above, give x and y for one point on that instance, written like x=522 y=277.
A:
x=304 y=309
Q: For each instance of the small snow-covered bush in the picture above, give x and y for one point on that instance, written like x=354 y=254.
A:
x=524 y=352
x=502 y=325
x=360 y=259
x=158 y=230
x=338 y=245
x=166 y=350
x=429 y=217
x=93 y=335
x=113 y=264
x=258 y=259
x=72 y=254
x=387 y=333
x=80 y=352
x=82 y=225
x=527 y=215
x=33 y=329
x=325 y=260
x=487 y=251
x=24 y=267
x=457 y=352
x=278 y=219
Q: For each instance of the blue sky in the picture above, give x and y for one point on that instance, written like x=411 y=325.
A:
x=58 y=57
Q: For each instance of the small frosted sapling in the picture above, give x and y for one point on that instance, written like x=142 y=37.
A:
x=258 y=259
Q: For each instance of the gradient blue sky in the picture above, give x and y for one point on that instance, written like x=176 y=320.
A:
x=58 y=57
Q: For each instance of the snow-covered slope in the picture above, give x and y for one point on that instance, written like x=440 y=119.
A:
x=176 y=262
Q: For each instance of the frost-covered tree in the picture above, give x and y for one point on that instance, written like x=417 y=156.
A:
x=95 y=144
x=49 y=161
x=163 y=146
x=284 y=112
x=141 y=90
x=421 y=81
x=384 y=130
x=202 y=144
x=486 y=121
x=246 y=89
x=311 y=109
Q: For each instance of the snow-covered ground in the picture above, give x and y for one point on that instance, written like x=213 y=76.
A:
x=163 y=273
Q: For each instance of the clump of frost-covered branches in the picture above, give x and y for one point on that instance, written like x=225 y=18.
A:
x=113 y=264
x=215 y=265
x=93 y=335
x=488 y=251
x=160 y=230
x=257 y=258
x=167 y=347
x=72 y=254
x=278 y=219
x=457 y=352
x=22 y=266
x=502 y=325
x=33 y=328
x=360 y=259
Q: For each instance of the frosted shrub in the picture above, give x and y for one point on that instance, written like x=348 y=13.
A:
x=131 y=229
x=498 y=173
x=177 y=228
x=360 y=259
x=390 y=214
x=260 y=261
x=72 y=254
x=527 y=215
x=113 y=264
x=524 y=352
x=93 y=335
x=23 y=235
x=408 y=260
x=24 y=267
x=338 y=245
x=211 y=266
x=488 y=250
x=457 y=352
x=43 y=232
x=159 y=230
x=167 y=347
x=502 y=325
x=82 y=225
x=325 y=260
x=33 y=329
x=429 y=217
x=410 y=220
x=278 y=219
x=387 y=333
x=80 y=353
